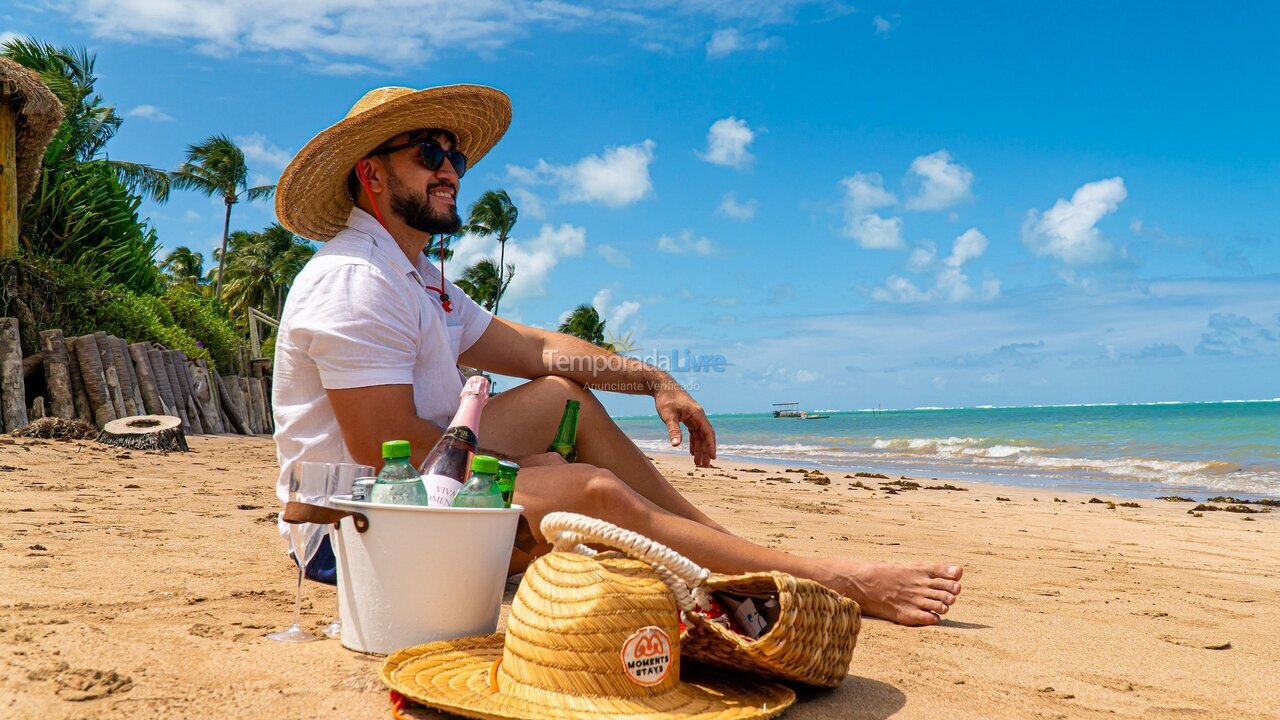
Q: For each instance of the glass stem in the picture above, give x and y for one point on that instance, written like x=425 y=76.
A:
x=297 y=600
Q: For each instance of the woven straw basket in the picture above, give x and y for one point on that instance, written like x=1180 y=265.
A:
x=812 y=642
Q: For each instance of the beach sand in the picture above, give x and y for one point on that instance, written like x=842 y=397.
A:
x=139 y=585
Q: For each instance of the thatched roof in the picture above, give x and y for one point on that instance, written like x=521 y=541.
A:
x=38 y=114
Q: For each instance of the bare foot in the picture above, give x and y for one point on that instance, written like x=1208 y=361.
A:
x=909 y=594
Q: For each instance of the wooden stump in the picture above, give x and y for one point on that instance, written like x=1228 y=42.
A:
x=146 y=432
x=112 y=375
x=80 y=398
x=234 y=418
x=95 y=383
x=13 y=391
x=57 y=374
x=146 y=379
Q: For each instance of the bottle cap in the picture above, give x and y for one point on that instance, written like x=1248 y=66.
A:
x=486 y=464
x=506 y=468
x=395 y=449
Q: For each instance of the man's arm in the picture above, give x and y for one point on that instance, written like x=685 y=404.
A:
x=509 y=348
x=368 y=416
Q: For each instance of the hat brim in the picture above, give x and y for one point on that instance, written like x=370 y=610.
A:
x=311 y=197
x=453 y=675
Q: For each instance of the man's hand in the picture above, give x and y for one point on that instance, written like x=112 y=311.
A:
x=676 y=406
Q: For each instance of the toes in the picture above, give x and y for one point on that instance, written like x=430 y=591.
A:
x=919 y=617
x=936 y=606
x=950 y=586
x=951 y=571
x=942 y=596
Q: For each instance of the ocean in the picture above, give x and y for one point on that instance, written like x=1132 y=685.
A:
x=1141 y=450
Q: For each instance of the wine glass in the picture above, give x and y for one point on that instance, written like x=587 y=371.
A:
x=341 y=477
x=309 y=483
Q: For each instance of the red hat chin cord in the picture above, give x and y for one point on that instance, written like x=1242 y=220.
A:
x=364 y=182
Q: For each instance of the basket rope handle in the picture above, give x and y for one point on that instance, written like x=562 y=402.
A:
x=570 y=532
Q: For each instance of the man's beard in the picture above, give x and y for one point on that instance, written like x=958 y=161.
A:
x=415 y=209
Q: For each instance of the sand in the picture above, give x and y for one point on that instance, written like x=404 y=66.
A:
x=139 y=585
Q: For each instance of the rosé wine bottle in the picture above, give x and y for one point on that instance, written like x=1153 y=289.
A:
x=445 y=468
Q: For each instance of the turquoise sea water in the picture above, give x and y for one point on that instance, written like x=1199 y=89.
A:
x=1132 y=450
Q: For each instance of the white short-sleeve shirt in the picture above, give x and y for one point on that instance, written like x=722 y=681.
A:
x=358 y=315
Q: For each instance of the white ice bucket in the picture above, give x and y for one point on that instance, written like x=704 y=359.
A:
x=417 y=574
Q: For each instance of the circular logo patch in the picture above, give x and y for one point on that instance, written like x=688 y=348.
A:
x=646 y=655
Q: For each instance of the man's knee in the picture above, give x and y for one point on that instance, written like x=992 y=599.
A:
x=602 y=493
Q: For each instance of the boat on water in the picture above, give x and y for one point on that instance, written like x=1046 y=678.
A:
x=792 y=410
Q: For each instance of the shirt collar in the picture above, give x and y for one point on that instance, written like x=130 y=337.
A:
x=369 y=225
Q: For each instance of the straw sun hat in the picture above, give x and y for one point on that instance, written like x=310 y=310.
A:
x=588 y=637
x=311 y=197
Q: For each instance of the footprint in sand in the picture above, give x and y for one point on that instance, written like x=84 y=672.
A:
x=77 y=685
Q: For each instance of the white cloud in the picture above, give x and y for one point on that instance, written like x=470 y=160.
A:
x=807 y=376
x=922 y=257
x=530 y=203
x=943 y=183
x=865 y=191
x=899 y=289
x=731 y=208
x=685 y=242
x=616 y=178
x=534 y=258
x=257 y=149
x=969 y=246
x=190 y=216
x=882 y=25
x=1068 y=230
x=614 y=315
x=727 y=41
x=951 y=284
x=727 y=142
x=876 y=233
x=149 y=112
x=614 y=256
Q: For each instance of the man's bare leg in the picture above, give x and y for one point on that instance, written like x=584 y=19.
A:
x=523 y=420
x=914 y=594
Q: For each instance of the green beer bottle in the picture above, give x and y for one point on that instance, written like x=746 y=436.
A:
x=567 y=433
x=507 y=480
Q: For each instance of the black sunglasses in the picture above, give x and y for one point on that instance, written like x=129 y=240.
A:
x=433 y=155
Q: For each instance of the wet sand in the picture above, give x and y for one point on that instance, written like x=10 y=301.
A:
x=137 y=585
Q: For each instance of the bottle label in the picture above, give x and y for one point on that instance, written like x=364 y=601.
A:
x=441 y=489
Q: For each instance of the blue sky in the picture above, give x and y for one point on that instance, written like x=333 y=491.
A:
x=896 y=204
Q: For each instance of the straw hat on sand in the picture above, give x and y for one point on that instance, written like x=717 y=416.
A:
x=588 y=637
x=312 y=199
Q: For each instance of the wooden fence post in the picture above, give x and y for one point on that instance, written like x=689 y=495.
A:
x=84 y=411
x=8 y=173
x=95 y=383
x=151 y=400
x=57 y=374
x=13 y=389
x=112 y=375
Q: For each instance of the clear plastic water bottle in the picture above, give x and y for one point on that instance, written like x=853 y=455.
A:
x=398 y=483
x=481 y=491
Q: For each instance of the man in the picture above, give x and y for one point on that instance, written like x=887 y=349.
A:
x=372 y=333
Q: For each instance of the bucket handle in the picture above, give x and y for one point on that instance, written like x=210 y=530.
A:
x=297 y=513
x=571 y=531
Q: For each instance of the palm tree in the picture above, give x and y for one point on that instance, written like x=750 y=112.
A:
x=261 y=266
x=494 y=214
x=183 y=265
x=217 y=167
x=485 y=284
x=88 y=123
x=584 y=322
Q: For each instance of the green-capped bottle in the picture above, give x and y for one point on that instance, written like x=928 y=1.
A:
x=398 y=483
x=481 y=491
x=507 y=480
x=567 y=434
